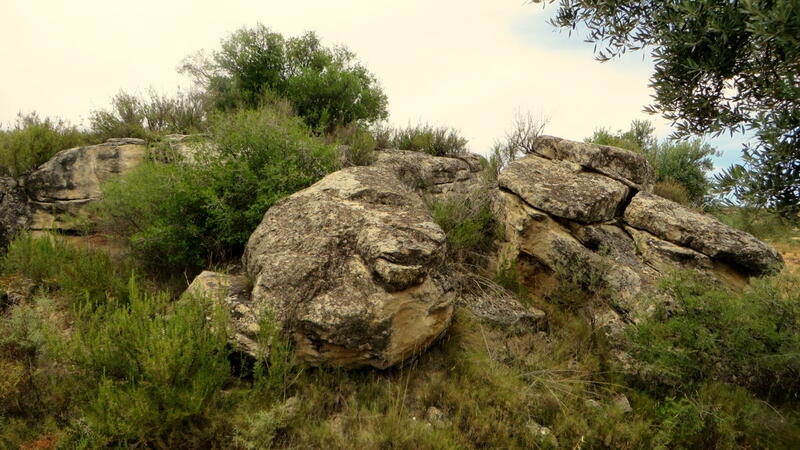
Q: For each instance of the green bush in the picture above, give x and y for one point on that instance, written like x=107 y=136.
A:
x=468 y=223
x=436 y=141
x=147 y=117
x=751 y=339
x=154 y=368
x=53 y=263
x=759 y=222
x=328 y=87
x=33 y=140
x=187 y=216
x=359 y=144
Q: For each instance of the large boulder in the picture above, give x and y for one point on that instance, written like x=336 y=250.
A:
x=350 y=268
x=71 y=179
x=622 y=165
x=674 y=223
x=14 y=210
x=564 y=190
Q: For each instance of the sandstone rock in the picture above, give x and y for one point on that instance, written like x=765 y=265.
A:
x=234 y=292
x=563 y=190
x=622 y=165
x=434 y=175
x=71 y=179
x=674 y=223
x=15 y=213
x=349 y=267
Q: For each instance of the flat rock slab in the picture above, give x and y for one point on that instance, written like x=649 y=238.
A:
x=349 y=267
x=677 y=224
x=563 y=190
x=622 y=165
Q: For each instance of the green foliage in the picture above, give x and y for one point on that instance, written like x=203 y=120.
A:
x=33 y=140
x=52 y=263
x=759 y=222
x=359 y=144
x=468 y=222
x=436 y=141
x=328 y=87
x=638 y=138
x=147 y=117
x=186 y=216
x=672 y=190
x=154 y=367
x=719 y=66
x=751 y=339
x=721 y=416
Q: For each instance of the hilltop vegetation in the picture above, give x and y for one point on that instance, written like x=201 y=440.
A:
x=103 y=350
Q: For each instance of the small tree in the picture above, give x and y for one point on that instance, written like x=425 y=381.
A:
x=328 y=87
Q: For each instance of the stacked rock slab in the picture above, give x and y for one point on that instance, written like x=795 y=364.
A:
x=350 y=268
x=584 y=213
x=63 y=186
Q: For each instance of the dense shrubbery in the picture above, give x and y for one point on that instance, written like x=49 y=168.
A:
x=188 y=216
x=150 y=116
x=328 y=87
x=750 y=339
x=33 y=140
x=436 y=141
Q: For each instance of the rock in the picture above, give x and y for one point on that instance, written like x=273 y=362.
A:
x=15 y=214
x=234 y=293
x=435 y=417
x=622 y=165
x=499 y=308
x=350 y=268
x=433 y=175
x=70 y=180
x=674 y=223
x=543 y=435
x=563 y=190
x=622 y=402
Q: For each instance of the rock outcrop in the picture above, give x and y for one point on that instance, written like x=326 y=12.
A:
x=582 y=213
x=65 y=184
x=14 y=210
x=350 y=268
x=436 y=176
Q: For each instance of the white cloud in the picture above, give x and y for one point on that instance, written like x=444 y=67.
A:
x=456 y=63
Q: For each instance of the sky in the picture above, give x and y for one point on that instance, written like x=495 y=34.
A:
x=468 y=64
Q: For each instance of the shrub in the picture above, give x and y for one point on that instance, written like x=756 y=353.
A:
x=143 y=117
x=437 y=141
x=154 y=367
x=468 y=222
x=672 y=190
x=186 y=216
x=751 y=339
x=52 y=263
x=759 y=222
x=358 y=144
x=327 y=86
x=33 y=140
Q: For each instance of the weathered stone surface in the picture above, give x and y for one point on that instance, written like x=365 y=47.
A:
x=15 y=213
x=622 y=165
x=563 y=190
x=234 y=293
x=71 y=179
x=672 y=222
x=434 y=175
x=500 y=308
x=349 y=267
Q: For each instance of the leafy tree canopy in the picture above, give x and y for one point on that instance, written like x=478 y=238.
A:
x=328 y=87
x=720 y=65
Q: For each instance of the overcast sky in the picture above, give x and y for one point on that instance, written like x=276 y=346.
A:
x=469 y=64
